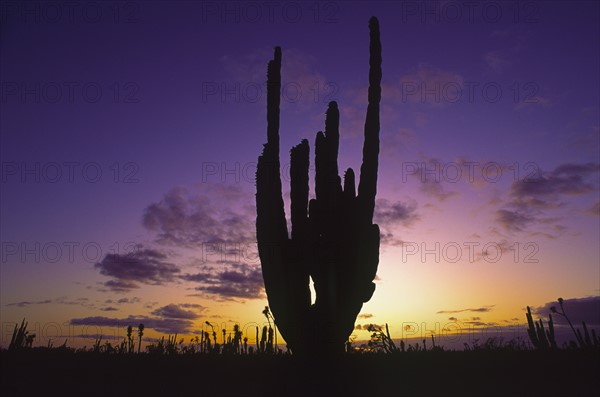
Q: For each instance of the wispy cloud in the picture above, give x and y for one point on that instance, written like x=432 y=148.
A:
x=498 y=61
x=594 y=209
x=146 y=266
x=513 y=220
x=29 y=303
x=531 y=197
x=511 y=43
x=365 y=327
x=234 y=281
x=179 y=311
x=392 y=214
x=123 y=301
x=212 y=213
x=63 y=300
x=301 y=81
x=428 y=85
x=395 y=212
x=483 y=309
x=428 y=173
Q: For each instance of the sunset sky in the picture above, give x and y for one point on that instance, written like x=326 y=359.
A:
x=130 y=133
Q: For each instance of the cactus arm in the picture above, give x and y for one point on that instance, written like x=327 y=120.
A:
x=332 y=133
x=273 y=99
x=299 y=165
x=320 y=155
x=349 y=185
x=271 y=227
x=367 y=186
x=271 y=224
x=298 y=271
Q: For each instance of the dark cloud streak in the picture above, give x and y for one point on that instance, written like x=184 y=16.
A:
x=483 y=309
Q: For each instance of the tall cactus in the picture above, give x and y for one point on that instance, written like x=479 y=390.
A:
x=333 y=238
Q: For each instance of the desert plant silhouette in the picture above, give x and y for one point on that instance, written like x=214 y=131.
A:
x=333 y=238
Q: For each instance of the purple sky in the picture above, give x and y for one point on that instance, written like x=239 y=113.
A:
x=140 y=124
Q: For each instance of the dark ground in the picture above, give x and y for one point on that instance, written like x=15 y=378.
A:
x=469 y=373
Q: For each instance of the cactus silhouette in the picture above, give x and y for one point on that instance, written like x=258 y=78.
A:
x=333 y=239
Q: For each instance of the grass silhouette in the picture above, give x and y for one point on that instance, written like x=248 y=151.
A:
x=206 y=366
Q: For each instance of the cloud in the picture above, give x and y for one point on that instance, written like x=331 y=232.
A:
x=578 y=309
x=29 y=303
x=365 y=315
x=178 y=311
x=566 y=179
x=388 y=213
x=122 y=301
x=394 y=143
x=391 y=214
x=120 y=285
x=109 y=309
x=146 y=266
x=218 y=213
x=435 y=189
x=483 y=309
x=63 y=300
x=365 y=327
x=301 y=83
x=431 y=175
x=166 y=325
x=430 y=85
x=513 y=220
x=514 y=43
x=481 y=323
x=497 y=61
x=234 y=281
x=531 y=197
x=594 y=209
